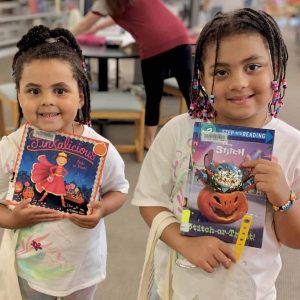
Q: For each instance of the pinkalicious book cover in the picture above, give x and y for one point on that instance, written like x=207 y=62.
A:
x=219 y=190
x=58 y=170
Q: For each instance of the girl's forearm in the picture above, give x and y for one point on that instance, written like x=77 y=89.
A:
x=112 y=201
x=5 y=217
x=104 y=23
x=171 y=235
x=287 y=226
x=85 y=24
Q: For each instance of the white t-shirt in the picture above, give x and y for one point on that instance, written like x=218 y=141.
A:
x=162 y=183
x=71 y=258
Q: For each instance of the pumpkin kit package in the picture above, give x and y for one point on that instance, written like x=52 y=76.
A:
x=219 y=191
x=58 y=170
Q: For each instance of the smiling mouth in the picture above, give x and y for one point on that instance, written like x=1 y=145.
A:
x=48 y=115
x=240 y=99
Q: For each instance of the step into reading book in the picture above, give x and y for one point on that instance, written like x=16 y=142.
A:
x=57 y=170
x=219 y=190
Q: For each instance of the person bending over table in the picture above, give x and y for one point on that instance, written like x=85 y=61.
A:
x=163 y=44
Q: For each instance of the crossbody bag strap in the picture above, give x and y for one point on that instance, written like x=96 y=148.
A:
x=159 y=223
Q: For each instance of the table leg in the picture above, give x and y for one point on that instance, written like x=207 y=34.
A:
x=117 y=72
x=102 y=74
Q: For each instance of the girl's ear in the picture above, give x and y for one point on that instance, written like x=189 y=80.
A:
x=18 y=99
x=81 y=99
x=202 y=82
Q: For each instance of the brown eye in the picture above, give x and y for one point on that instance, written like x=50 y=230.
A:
x=60 y=91
x=254 y=67
x=33 y=91
x=220 y=73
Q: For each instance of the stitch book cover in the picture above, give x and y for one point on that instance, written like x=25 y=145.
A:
x=57 y=170
x=219 y=190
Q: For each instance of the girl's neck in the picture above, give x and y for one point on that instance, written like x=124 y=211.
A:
x=77 y=128
x=259 y=124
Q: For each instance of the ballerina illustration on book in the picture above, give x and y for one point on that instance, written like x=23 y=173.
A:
x=49 y=177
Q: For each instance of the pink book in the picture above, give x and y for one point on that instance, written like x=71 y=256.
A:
x=91 y=40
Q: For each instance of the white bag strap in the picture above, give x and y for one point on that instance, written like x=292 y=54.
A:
x=159 y=223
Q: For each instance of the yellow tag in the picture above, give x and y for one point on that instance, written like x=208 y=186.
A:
x=242 y=236
x=185 y=216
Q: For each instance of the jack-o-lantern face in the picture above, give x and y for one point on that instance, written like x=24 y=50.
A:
x=224 y=208
x=28 y=193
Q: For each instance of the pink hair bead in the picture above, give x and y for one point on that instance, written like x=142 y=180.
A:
x=274 y=85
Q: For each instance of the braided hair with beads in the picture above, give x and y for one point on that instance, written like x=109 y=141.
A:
x=40 y=42
x=223 y=25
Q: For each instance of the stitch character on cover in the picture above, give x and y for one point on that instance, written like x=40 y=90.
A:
x=49 y=177
x=223 y=199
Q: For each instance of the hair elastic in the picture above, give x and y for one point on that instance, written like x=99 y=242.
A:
x=84 y=66
x=276 y=102
x=52 y=40
x=274 y=85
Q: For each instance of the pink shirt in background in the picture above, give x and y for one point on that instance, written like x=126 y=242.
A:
x=155 y=28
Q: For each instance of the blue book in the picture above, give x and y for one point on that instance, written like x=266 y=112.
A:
x=219 y=190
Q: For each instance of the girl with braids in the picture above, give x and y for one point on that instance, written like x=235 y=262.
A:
x=163 y=44
x=239 y=79
x=57 y=255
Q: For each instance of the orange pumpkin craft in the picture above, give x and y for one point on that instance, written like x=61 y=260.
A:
x=224 y=208
x=223 y=199
x=28 y=192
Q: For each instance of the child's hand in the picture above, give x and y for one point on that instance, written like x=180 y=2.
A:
x=95 y=212
x=25 y=215
x=207 y=252
x=269 y=178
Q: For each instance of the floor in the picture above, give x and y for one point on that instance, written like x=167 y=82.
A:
x=127 y=233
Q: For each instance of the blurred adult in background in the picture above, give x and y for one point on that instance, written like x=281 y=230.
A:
x=163 y=44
